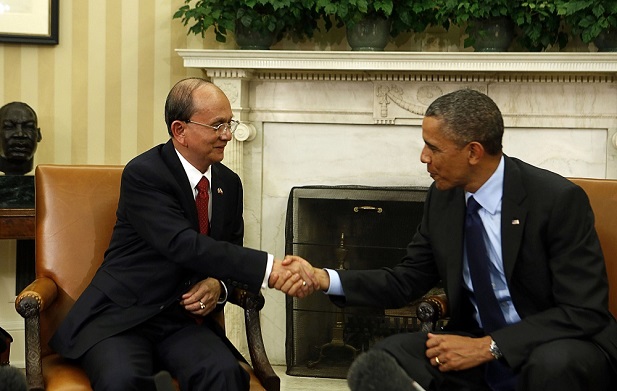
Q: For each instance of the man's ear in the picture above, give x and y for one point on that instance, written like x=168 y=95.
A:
x=476 y=152
x=177 y=131
x=39 y=135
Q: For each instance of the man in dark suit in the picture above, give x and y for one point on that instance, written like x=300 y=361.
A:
x=545 y=270
x=169 y=265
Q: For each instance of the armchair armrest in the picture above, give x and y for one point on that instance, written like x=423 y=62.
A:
x=252 y=304
x=430 y=310
x=34 y=299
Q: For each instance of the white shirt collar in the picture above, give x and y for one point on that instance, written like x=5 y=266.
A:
x=193 y=174
x=490 y=193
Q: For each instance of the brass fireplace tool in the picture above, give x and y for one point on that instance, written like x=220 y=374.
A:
x=338 y=330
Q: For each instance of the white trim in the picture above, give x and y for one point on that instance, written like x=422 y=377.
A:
x=552 y=62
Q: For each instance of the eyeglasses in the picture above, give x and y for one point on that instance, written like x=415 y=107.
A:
x=220 y=128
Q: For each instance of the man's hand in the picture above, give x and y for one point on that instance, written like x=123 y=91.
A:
x=454 y=352
x=202 y=297
x=293 y=276
x=323 y=277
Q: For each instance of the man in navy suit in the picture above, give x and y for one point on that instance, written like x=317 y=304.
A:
x=145 y=309
x=545 y=264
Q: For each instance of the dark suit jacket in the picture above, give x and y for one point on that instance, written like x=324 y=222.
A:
x=552 y=259
x=156 y=252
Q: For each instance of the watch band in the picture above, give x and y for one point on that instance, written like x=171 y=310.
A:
x=494 y=349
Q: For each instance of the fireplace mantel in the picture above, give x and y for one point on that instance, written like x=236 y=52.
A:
x=267 y=61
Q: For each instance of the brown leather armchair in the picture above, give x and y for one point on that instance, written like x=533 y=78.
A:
x=75 y=215
x=602 y=195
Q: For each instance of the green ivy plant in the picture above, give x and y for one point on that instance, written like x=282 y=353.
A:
x=405 y=15
x=467 y=14
x=294 y=18
x=588 y=18
x=539 y=24
x=414 y=16
x=462 y=13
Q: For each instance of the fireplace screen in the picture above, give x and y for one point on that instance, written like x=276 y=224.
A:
x=345 y=227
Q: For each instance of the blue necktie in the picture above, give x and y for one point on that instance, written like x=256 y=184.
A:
x=477 y=258
x=498 y=376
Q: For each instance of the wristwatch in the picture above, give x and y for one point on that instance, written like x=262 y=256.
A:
x=494 y=349
x=223 y=297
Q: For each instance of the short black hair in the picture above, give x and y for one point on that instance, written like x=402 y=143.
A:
x=469 y=115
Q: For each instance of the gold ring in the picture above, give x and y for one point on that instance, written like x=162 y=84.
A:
x=437 y=361
x=201 y=305
x=303 y=283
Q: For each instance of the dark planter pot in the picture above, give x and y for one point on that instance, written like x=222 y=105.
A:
x=492 y=35
x=369 y=34
x=248 y=39
x=607 y=41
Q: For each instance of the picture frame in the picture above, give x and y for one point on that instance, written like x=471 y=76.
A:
x=29 y=21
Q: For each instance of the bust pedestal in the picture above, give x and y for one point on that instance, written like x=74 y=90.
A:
x=17 y=222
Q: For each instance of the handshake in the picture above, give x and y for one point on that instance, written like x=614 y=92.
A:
x=296 y=277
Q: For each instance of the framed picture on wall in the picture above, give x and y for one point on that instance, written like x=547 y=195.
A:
x=29 y=21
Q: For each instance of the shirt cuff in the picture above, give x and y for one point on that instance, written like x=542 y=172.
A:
x=269 y=264
x=335 y=288
x=224 y=293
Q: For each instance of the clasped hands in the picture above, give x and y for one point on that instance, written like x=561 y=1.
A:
x=297 y=277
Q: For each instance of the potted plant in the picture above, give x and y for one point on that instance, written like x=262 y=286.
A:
x=376 y=21
x=266 y=20
x=592 y=20
x=487 y=23
x=539 y=24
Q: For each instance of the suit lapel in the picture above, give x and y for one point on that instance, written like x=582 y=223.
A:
x=454 y=232
x=513 y=216
x=170 y=157
x=449 y=220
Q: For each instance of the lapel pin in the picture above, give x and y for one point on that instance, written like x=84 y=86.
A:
x=515 y=222
x=219 y=190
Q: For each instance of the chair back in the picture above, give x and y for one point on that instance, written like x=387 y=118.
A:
x=602 y=194
x=75 y=215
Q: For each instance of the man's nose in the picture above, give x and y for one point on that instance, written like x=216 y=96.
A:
x=425 y=156
x=19 y=131
x=226 y=136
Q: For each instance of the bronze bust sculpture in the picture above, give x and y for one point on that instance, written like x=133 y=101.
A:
x=19 y=137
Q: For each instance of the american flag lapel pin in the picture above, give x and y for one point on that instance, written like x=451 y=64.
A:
x=219 y=190
x=515 y=222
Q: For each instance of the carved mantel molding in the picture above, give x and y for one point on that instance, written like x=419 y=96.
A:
x=310 y=64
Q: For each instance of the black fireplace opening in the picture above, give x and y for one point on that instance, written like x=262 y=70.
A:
x=345 y=227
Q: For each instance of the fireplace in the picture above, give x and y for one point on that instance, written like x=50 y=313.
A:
x=345 y=227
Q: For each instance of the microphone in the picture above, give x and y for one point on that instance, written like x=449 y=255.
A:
x=164 y=382
x=378 y=370
x=12 y=379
